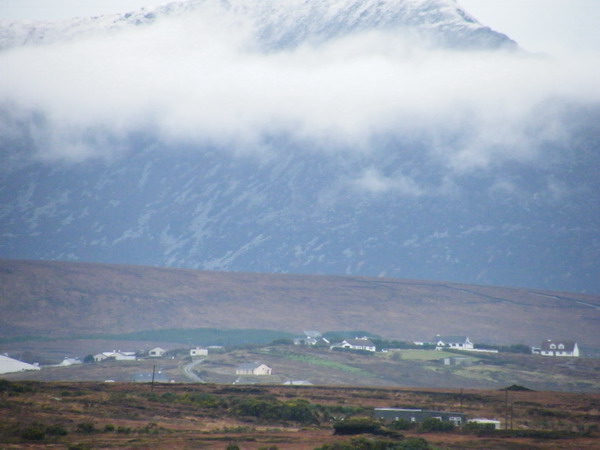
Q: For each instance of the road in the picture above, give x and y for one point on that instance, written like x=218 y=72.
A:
x=188 y=371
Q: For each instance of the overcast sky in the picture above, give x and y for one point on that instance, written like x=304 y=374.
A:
x=538 y=25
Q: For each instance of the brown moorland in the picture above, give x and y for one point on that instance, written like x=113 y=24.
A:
x=66 y=299
x=101 y=415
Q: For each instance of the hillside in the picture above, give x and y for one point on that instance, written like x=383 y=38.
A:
x=64 y=299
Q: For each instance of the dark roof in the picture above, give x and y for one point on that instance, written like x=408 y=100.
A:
x=418 y=414
x=452 y=339
x=569 y=346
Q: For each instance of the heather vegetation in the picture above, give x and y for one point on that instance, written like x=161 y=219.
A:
x=91 y=415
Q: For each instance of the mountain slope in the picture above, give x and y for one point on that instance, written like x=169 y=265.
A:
x=69 y=299
x=305 y=213
x=325 y=137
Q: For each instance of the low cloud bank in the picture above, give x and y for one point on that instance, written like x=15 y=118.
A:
x=199 y=80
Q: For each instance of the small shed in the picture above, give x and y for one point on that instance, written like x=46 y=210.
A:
x=157 y=352
x=198 y=351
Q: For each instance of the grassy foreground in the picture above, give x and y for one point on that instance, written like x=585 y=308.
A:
x=91 y=415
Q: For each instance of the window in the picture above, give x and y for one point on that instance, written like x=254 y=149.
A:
x=553 y=346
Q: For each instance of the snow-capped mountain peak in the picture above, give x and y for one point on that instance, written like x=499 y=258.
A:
x=285 y=23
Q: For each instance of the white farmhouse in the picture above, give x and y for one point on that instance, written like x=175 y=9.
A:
x=559 y=348
x=358 y=344
x=453 y=342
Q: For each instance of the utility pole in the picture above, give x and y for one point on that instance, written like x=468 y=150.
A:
x=506 y=409
x=152 y=384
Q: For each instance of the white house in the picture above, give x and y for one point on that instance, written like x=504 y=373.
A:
x=559 y=348
x=69 y=362
x=116 y=355
x=9 y=365
x=157 y=352
x=253 y=369
x=452 y=342
x=198 y=351
x=358 y=344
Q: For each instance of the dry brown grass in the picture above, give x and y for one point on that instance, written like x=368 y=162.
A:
x=144 y=421
x=68 y=299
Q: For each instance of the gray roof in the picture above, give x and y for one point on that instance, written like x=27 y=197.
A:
x=249 y=366
x=453 y=339
x=569 y=346
x=418 y=414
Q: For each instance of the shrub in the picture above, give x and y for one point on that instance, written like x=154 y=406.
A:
x=282 y=341
x=402 y=424
x=11 y=386
x=86 y=427
x=378 y=444
x=294 y=410
x=357 y=426
x=4 y=385
x=109 y=427
x=432 y=424
x=79 y=447
x=34 y=432
x=480 y=427
x=414 y=443
x=542 y=412
x=56 y=430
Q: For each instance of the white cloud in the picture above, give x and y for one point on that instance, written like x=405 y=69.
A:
x=197 y=79
x=373 y=181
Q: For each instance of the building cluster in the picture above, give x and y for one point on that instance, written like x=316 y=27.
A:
x=549 y=347
x=451 y=342
x=414 y=415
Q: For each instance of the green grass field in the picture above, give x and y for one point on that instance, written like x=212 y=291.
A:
x=422 y=355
